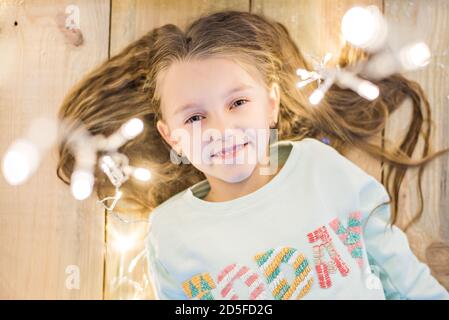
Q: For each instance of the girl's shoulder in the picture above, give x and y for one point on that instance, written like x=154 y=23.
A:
x=159 y=220
x=314 y=153
x=325 y=155
x=324 y=162
x=315 y=146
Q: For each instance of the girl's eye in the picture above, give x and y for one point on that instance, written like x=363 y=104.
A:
x=245 y=100
x=193 y=118
x=197 y=116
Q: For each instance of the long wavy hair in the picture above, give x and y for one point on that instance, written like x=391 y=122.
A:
x=127 y=86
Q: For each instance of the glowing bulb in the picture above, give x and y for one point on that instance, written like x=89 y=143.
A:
x=107 y=160
x=316 y=96
x=327 y=57
x=132 y=128
x=104 y=167
x=368 y=90
x=302 y=84
x=43 y=132
x=142 y=174
x=415 y=56
x=16 y=167
x=304 y=74
x=420 y=54
x=20 y=161
x=124 y=243
x=359 y=26
x=82 y=182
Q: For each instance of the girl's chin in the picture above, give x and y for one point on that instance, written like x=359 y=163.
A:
x=232 y=173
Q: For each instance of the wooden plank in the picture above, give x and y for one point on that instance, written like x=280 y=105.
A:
x=43 y=230
x=131 y=19
x=317 y=36
x=429 y=238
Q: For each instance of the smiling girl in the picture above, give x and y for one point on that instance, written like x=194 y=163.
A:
x=247 y=201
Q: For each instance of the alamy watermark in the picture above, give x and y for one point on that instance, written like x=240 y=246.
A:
x=204 y=145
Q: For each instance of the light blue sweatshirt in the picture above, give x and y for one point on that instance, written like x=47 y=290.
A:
x=303 y=235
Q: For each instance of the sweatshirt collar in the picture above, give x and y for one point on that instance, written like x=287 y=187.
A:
x=191 y=195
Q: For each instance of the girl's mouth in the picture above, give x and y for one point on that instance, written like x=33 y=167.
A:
x=230 y=152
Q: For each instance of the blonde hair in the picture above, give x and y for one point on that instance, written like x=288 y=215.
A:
x=126 y=86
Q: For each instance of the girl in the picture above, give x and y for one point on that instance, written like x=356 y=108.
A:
x=238 y=212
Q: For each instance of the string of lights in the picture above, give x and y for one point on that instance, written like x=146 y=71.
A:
x=365 y=28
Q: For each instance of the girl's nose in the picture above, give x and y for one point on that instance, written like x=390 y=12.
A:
x=222 y=124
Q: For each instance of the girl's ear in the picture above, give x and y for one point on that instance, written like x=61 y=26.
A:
x=164 y=131
x=275 y=99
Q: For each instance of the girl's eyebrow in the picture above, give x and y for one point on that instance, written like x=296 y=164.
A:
x=236 y=89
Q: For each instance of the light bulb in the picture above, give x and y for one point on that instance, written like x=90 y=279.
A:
x=303 y=83
x=43 y=132
x=303 y=74
x=364 y=27
x=327 y=57
x=415 y=56
x=82 y=182
x=316 y=96
x=132 y=128
x=20 y=161
x=368 y=90
x=124 y=242
x=142 y=174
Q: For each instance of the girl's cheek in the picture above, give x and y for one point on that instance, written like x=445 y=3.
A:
x=193 y=150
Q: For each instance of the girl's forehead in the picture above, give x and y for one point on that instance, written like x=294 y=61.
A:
x=192 y=81
x=207 y=72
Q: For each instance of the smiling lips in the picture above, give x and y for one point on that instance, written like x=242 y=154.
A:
x=231 y=151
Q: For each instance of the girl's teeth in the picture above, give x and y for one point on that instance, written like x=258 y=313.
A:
x=220 y=154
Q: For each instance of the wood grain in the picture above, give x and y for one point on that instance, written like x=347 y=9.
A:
x=427 y=21
x=43 y=230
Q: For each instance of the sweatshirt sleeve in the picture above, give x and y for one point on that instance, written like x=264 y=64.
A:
x=165 y=286
x=402 y=275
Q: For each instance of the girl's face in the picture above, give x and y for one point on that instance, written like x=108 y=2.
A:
x=213 y=104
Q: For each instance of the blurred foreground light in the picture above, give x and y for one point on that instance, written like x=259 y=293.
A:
x=364 y=27
x=82 y=182
x=303 y=74
x=415 y=56
x=124 y=243
x=142 y=174
x=368 y=90
x=132 y=128
x=20 y=161
x=316 y=96
x=43 y=132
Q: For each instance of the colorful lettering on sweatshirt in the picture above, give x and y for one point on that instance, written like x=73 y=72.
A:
x=269 y=277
